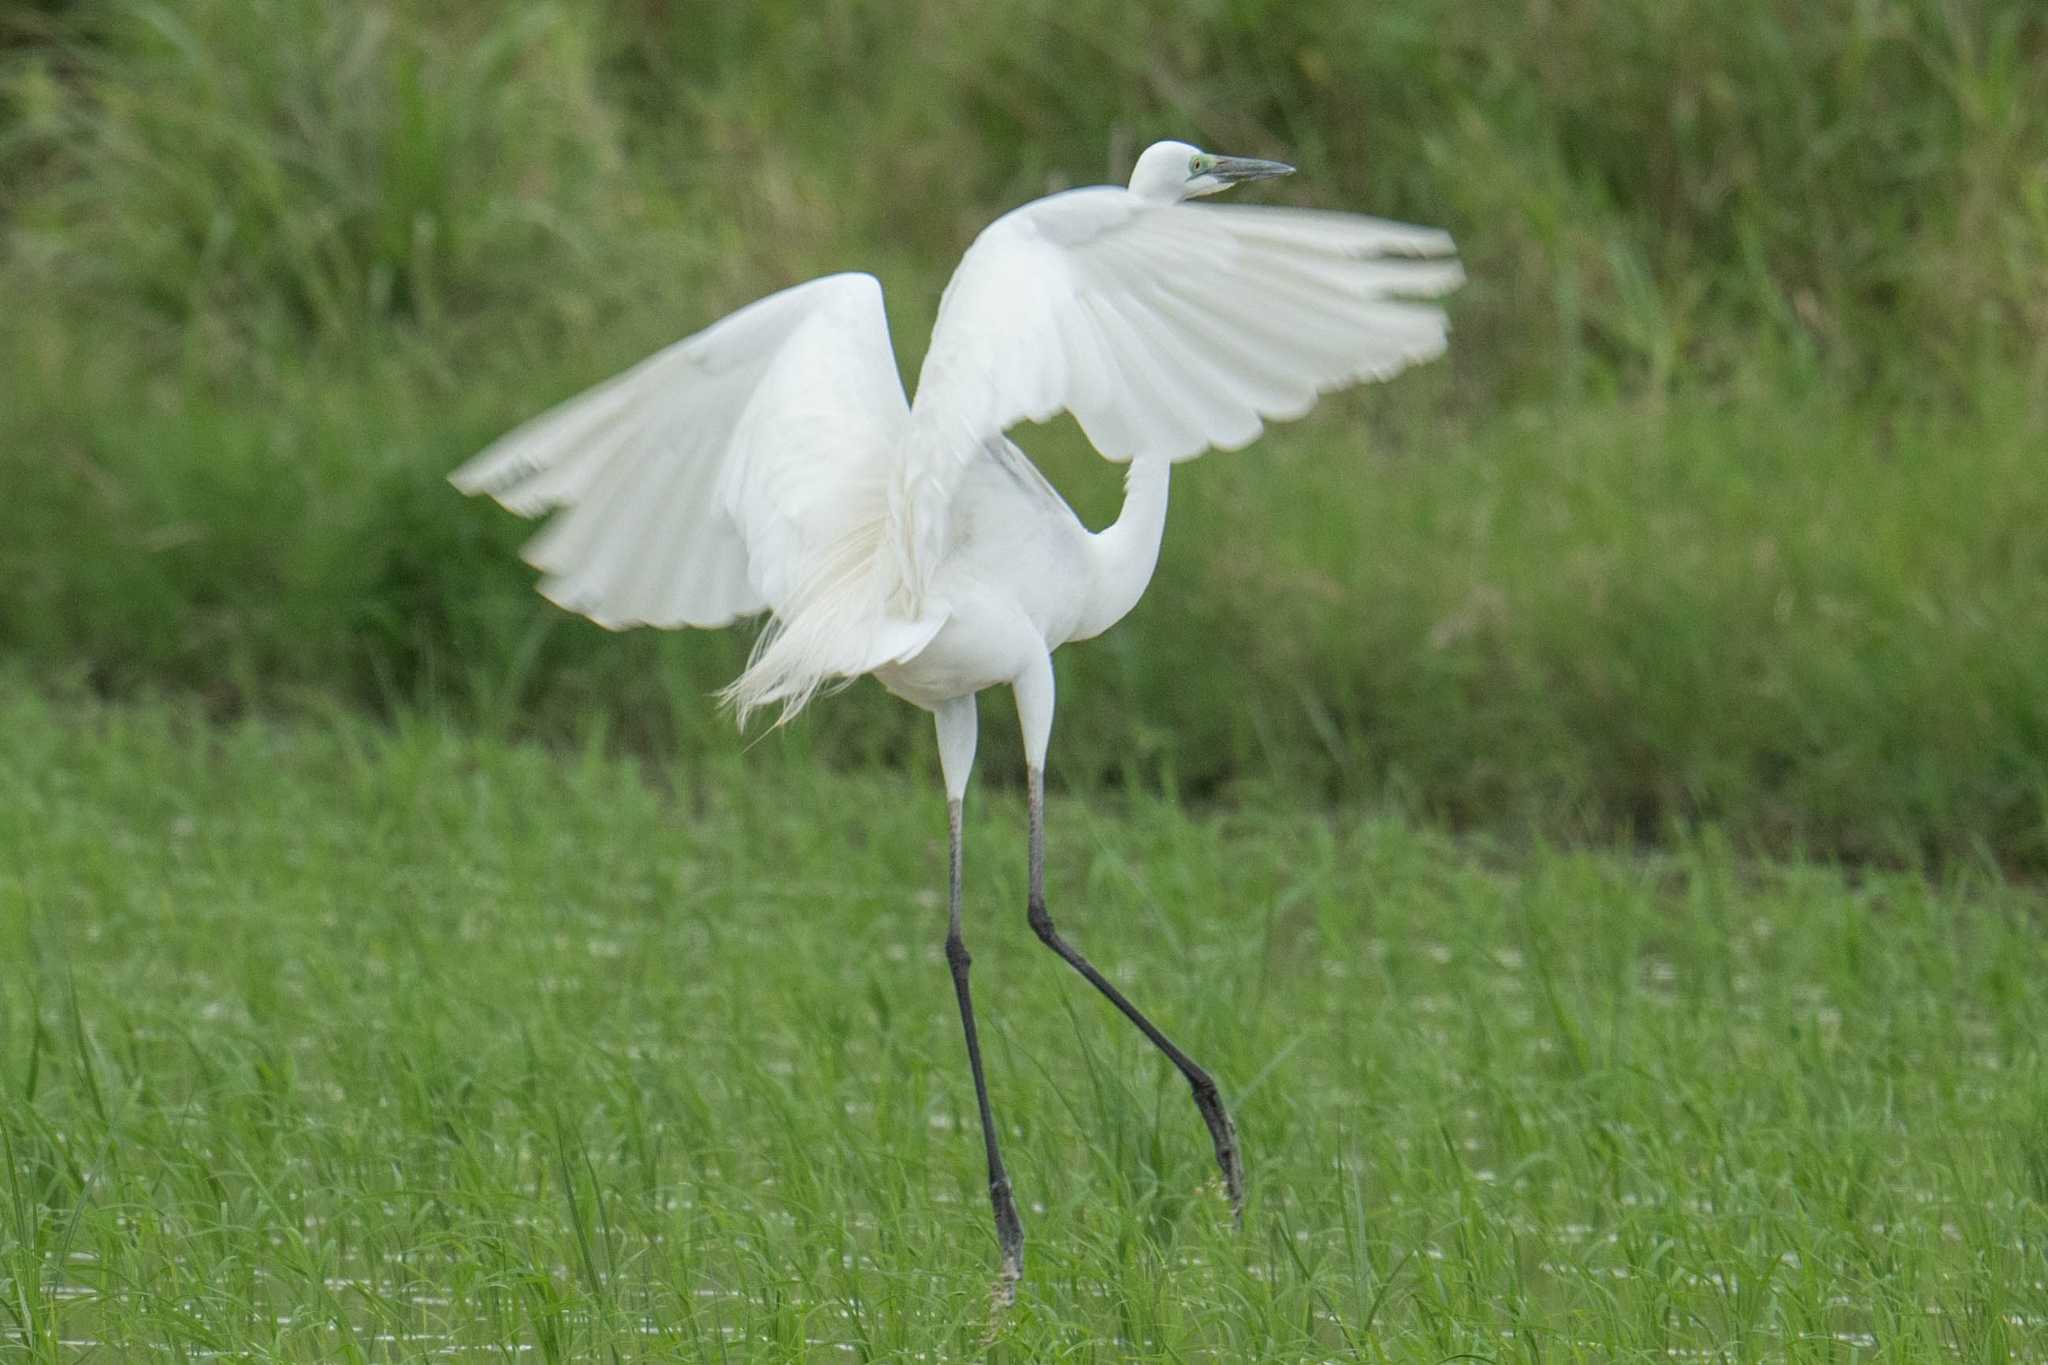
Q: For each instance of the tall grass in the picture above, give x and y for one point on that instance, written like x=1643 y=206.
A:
x=332 y=1041
x=1727 y=504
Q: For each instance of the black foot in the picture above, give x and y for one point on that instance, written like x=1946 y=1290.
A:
x=1010 y=1236
x=1223 y=1133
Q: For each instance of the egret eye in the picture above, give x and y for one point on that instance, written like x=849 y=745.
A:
x=1194 y=165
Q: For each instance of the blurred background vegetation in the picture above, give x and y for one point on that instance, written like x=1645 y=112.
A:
x=1729 y=505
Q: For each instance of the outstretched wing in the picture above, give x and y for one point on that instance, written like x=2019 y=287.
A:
x=1165 y=329
x=711 y=480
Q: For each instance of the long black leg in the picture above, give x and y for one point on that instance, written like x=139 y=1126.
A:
x=1221 y=1130
x=1009 y=1231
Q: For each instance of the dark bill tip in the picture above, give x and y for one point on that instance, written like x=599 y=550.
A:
x=1232 y=169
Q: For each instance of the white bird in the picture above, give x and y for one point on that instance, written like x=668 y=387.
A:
x=771 y=463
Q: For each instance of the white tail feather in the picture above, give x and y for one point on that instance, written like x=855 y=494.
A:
x=837 y=626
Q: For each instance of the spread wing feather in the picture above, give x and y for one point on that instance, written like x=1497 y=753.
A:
x=1166 y=329
x=720 y=476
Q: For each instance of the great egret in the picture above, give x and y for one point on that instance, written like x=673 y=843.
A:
x=771 y=463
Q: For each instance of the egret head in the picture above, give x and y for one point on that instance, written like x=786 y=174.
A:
x=1172 y=171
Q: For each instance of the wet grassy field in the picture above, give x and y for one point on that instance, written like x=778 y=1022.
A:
x=332 y=1042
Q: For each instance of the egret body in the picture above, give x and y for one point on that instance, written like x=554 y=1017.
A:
x=771 y=463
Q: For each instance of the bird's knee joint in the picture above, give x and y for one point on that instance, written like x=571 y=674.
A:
x=956 y=953
x=1041 y=922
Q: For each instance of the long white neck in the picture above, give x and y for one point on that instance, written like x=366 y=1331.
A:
x=1126 y=551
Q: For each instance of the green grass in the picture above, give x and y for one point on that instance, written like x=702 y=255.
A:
x=329 y=1041
x=434 y=971
x=1724 y=509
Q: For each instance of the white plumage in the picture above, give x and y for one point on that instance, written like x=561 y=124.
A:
x=771 y=463
x=696 y=483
